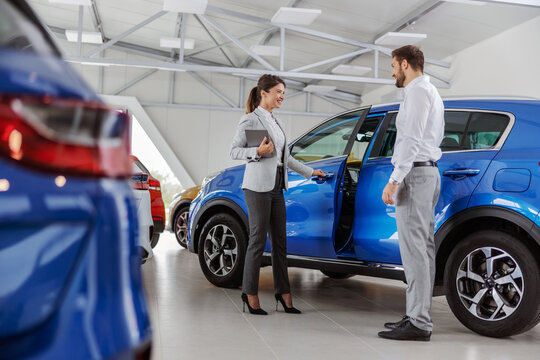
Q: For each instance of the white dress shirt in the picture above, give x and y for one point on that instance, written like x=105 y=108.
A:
x=279 y=141
x=420 y=127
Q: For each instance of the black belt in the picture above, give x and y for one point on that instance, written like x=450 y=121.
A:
x=425 y=163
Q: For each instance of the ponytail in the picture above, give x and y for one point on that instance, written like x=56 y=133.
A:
x=266 y=82
x=253 y=100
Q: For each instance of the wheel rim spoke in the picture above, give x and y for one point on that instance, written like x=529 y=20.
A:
x=181 y=227
x=490 y=283
x=221 y=242
x=209 y=258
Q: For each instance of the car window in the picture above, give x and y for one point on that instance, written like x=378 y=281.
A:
x=389 y=138
x=18 y=32
x=363 y=137
x=464 y=130
x=455 y=123
x=485 y=130
x=328 y=139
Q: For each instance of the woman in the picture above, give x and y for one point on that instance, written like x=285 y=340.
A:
x=265 y=178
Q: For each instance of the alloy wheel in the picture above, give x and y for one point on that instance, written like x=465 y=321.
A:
x=490 y=283
x=181 y=228
x=220 y=250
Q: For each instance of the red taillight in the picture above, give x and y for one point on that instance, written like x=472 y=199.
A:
x=66 y=136
x=139 y=181
x=154 y=184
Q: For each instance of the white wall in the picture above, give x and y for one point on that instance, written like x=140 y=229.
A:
x=200 y=139
x=506 y=64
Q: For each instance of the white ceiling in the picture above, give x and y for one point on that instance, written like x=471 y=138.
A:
x=450 y=27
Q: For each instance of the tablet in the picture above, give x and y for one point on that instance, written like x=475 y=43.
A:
x=255 y=137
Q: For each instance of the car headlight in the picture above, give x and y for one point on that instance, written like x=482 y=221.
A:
x=210 y=177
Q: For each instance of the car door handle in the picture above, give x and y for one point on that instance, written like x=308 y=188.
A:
x=321 y=179
x=461 y=173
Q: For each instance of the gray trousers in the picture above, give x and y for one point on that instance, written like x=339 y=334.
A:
x=416 y=198
x=266 y=216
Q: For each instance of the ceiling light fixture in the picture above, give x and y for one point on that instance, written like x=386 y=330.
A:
x=89 y=37
x=467 y=2
x=519 y=2
x=351 y=70
x=319 y=88
x=72 y=2
x=295 y=16
x=266 y=50
x=185 y=6
x=399 y=39
x=175 y=43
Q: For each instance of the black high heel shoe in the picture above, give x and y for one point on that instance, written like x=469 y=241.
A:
x=251 y=310
x=289 y=310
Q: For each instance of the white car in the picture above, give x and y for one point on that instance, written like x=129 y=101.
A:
x=141 y=193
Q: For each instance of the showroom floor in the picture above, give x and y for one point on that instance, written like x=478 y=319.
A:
x=193 y=319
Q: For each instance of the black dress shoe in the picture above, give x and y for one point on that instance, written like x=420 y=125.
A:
x=406 y=331
x=253 y=311
x=393 y=325
x=288 y=310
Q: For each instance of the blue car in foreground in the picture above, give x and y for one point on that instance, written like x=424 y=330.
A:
x=486 y=222
x=70 y=283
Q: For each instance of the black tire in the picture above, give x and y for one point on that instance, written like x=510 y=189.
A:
x=180 y=226
x=336 y=275
x=507 y=301
x=222 y=260
x=154 y=240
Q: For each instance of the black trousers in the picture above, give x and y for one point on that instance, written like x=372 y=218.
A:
x=266 y=216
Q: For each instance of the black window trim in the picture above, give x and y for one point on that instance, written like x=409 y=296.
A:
x=496 y=147
x=350 y=141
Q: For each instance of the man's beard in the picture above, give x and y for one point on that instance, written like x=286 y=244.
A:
x=400 y=79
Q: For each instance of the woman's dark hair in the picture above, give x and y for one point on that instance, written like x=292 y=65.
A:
x=413 y=55
x=266 y=82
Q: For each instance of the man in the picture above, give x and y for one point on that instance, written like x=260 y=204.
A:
x=416 y=182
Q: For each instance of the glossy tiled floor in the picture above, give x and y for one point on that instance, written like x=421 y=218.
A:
x=193 y=319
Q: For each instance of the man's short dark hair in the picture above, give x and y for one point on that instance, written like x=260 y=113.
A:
x=413 y=55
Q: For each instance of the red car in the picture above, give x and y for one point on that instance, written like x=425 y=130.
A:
x=158 y=208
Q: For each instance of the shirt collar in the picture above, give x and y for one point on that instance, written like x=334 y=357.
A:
x=416 y=81
x=265 y=112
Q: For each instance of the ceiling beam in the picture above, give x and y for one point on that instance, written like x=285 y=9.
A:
x=316 y=33
x=395 y=27
x=239 y=43
x=143 y=50
x=224 y=108
x=228 y=43
x=337 y=103
x=212 y=89
x=410 y=18
x=126 y=33
x=266 y=39
x=133 y=82
x=530 y=3
x=299 y=85
x=214 y=40
x=79 y=30
x=96 y=19
x=331 y=60
x=229 y=70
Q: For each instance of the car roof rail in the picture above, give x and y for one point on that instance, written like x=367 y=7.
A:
x=490 y=97
x=469 y=97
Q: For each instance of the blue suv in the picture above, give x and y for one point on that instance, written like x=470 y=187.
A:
x=486 y=222
x=70 y=274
